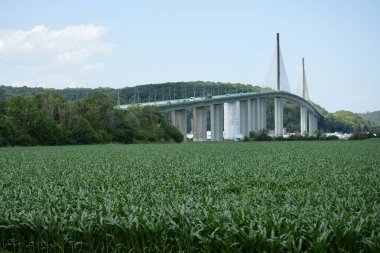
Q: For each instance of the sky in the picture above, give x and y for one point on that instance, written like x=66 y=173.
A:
x=58 y=44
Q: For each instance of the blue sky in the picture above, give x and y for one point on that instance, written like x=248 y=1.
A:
x=125 y=43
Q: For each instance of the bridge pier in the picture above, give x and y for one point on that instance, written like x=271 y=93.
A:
x=179 y=120
x=261 y=114
x=244 y=117
x=231 y=120
x=236 y=115
x=313 y=124
x=278 y=117
x=252 y=115
x=200 y=124
x=216 y=113
x=303 y=120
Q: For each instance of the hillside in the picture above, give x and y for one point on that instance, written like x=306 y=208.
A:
x=140 y=93
x=347 y=122
x=373 y=116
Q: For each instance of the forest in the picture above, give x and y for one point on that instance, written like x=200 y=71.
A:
x=51 y=119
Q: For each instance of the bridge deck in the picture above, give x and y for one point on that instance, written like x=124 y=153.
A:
x=186 y=103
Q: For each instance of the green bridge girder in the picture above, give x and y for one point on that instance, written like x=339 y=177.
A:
x=188 y=103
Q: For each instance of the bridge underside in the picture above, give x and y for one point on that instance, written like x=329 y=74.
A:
x=234 y=116
x=235 y=119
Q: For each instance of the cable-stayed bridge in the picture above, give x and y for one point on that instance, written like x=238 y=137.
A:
x=235 y=115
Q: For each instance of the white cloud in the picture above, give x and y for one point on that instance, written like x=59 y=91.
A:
x=93 y=67
x=73 y=44
x=41 y=52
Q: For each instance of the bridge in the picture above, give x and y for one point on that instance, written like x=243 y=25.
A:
x=235 y=115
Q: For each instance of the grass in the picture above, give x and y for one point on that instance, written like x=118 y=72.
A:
x=192 y=197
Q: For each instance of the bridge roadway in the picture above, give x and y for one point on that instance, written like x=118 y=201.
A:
x=236 y=114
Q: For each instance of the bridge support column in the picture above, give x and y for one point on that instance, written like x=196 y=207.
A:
x=244 y=117
x=179 y=120
x=216 y=111
x=252 y=115
x=261 y=114
x=303 y=120
x=313 y=124
x=231 y=120
x=278 y=117
x=200 y=124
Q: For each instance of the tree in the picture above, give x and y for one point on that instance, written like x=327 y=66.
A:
x=51 y=105
x=23 y=111
x=81 y=130
x=45 y=131
x=9 y=133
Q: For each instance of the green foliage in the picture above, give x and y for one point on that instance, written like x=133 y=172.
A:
x=50 y=119
x=372 y=116
x=263 y=136
x=320 y=109
x=361 y=136
x=198 y=197
x=297 y=137
x=346 y=122
x=332 y=137
x=291 y=117
x=154 y=127
x=9 y=134
x=252 y=134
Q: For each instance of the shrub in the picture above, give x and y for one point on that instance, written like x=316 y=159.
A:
x=252 y=134
x=332 y=137
x=359 y=136
x=263 y=136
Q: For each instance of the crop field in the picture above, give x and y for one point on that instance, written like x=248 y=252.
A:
x=192 y=197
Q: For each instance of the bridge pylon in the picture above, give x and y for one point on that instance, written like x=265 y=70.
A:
x=278 y=102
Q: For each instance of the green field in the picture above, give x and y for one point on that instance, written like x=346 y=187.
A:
x=192 y=197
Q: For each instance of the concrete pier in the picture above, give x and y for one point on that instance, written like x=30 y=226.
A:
x=303 y=120
x=179 y=120
x=252 y=115
x=216 y=114
x=313 y=124
x=231 y=120
x=261 y=114
x=200 y=124
x=244 y=117
x=278 y=117
x=278 y=103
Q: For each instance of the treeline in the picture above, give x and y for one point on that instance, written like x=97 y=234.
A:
x=373 y=116
x=140 y=93
x=318 y=136
x=51 y=119
x=347 y=122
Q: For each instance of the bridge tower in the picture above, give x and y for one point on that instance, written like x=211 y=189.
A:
x=303 y=113
x=278 y=102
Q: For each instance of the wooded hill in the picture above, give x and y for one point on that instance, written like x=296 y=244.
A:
x=372 y=116
x=141 y=93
